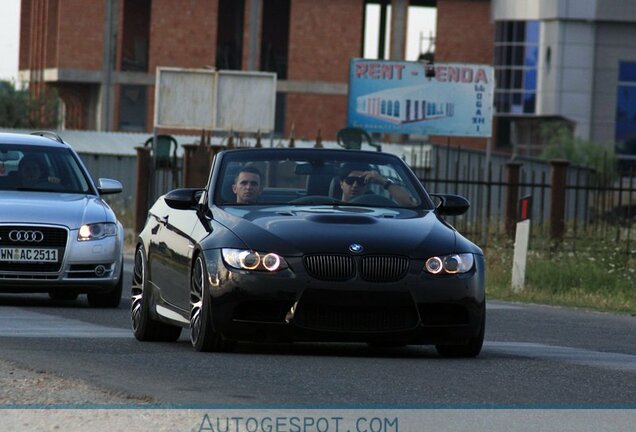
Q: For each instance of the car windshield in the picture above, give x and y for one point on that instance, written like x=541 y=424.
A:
x=316 y=177
x=40 y=169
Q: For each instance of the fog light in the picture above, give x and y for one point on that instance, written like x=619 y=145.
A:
x=100 y=270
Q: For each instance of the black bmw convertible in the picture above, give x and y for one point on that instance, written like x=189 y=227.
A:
x=309 y=245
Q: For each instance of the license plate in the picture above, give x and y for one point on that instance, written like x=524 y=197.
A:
x=29 y=255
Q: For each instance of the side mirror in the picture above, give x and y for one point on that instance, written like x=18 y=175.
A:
x=451 y=205
x=108 y=186
x=183 y=199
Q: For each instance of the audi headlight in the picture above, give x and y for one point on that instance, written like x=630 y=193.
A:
x=96 y=231
x=252 y=260
x=450 y=264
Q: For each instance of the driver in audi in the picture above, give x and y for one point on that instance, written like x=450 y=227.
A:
x=32 y=173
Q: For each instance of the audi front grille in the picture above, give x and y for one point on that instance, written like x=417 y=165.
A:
x=52 y=238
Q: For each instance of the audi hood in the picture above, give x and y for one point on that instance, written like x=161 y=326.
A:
x=71 y=210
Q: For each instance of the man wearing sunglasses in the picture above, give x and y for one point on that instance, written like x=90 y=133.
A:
x=355 y=178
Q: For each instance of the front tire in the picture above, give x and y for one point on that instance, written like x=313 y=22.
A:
x=471 y=348
x=145 y=328
x=63 y=295
x=202 y=334
x=110 y=299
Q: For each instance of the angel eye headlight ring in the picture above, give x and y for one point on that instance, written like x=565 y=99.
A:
x=253 y=260
x=450 y=264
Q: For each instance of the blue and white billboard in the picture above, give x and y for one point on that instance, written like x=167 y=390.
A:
x=397 y=97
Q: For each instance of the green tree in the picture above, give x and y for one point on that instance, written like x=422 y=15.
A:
x=564 y=145
x=20 y=109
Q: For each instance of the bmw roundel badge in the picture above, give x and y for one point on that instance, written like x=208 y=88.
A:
x=356 y=248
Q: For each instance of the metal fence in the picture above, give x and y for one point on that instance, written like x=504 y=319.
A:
x=594 y=208
x=122 y=168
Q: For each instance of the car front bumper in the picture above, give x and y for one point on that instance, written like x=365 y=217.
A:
x=290 y=305
x=87 y=266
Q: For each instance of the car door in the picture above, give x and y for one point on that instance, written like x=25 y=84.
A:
x=170 y=254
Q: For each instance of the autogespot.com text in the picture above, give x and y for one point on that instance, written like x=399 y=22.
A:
x=211 y=423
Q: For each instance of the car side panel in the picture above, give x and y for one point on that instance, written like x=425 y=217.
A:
x=170 y=253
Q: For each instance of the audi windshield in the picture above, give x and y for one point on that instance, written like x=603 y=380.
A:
x=41 y=169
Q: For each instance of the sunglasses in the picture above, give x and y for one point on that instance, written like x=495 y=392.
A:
x=350 y=180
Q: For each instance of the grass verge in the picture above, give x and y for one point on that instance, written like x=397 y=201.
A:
x=591 y=274
x=599 y=275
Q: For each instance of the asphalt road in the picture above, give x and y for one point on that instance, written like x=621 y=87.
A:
x=532 y=355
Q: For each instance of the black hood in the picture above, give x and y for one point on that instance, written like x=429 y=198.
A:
x=306 y=230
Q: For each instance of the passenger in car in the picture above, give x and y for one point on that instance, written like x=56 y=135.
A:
x=355 y=178
x=247 y=185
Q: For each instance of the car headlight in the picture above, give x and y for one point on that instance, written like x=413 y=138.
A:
x=96 y=231
x=450 y=264
x=252 y=260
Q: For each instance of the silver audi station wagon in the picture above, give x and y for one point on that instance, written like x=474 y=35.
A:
x=57 y=235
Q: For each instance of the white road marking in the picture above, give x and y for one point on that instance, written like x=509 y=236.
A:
x=579 y=356
x=20 y=323
x=501 y=306
x=17 y=322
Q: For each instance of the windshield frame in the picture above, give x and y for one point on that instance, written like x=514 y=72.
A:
x=225 y=159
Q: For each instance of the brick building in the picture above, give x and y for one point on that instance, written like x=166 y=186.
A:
x=556 y=60
x=101 y=55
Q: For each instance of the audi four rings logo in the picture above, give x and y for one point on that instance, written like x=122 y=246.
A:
x=26 y=236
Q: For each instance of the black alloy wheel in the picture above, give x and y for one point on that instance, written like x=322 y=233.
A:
x=145 y=328
x=202 y=333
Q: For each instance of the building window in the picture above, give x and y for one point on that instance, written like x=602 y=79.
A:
x=625 y=129
x=229 y=41
x=135 y=36
x=279 y=117
x=132 y=108
x=516 y=57
x=420 y=29
x=275 y=37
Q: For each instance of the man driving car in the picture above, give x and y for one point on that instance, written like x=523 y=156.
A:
x=355 y=178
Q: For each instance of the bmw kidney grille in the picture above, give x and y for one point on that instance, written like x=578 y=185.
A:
x=372 y=268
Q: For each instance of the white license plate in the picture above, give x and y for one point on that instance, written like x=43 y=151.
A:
x=29 y=255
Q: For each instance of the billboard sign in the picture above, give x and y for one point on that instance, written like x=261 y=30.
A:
x=184 y=98
x=245 y=101
x=398 y=97
x=242 y=101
